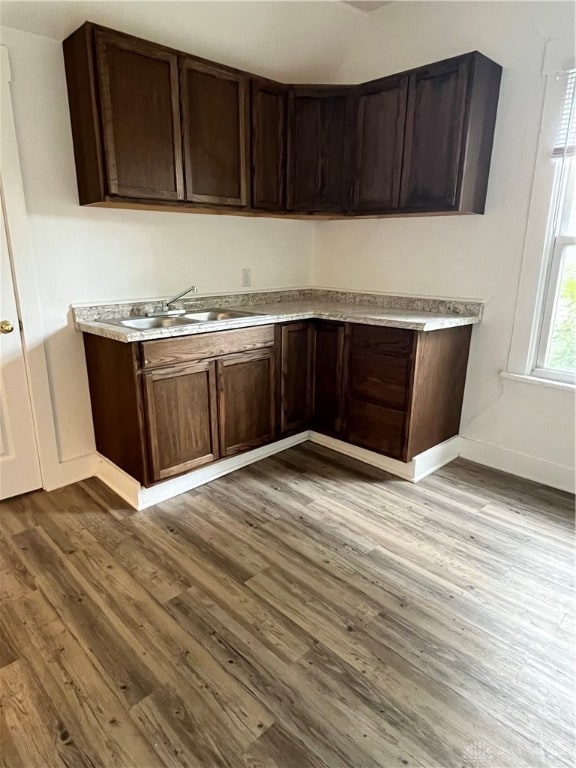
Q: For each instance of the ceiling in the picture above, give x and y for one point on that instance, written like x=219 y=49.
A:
x=58 y=18
x=283 y=39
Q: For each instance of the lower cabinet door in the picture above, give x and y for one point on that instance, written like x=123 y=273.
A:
x=378 y=371
x=182 y=418
x=246 y=396
x=296 y=341
x=328 y=372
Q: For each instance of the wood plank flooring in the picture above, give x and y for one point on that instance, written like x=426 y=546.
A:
x=305 y=612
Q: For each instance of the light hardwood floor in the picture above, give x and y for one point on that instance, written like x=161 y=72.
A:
x=304 y=611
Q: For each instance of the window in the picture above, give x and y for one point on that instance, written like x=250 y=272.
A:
x=556 y=353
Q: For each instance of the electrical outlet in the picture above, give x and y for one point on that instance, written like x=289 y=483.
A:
x=246 y=279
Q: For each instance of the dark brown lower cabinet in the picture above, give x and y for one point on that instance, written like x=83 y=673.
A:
x=182 y=418
x=294 y=342
x=246 y=400
x=328 y=371
x=403 y=390
x=164 y=407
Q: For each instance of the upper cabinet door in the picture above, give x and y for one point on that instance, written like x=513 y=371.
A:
x=379 y=144
x=319 y=122
x=138 y=84
x=268 y=145
x=434 y=132
x=215 y=119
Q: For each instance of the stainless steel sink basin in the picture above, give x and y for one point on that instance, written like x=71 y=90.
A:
x=187 y=318
x=146 y=323
x=208 y=315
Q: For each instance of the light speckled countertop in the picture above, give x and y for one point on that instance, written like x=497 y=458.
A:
x=418 y=313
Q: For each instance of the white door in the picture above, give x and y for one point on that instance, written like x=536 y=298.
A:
x=19 y=465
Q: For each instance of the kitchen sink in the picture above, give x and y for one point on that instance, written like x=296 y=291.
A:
x=187 y=318
x=146 y=323
x=208 y=315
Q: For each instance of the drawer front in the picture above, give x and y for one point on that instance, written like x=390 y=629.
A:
x=396 y=341
x=379 y=379
x=205 y=345
x=376 y=428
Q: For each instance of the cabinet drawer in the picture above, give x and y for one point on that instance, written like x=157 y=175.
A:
x=397 y=341
x=375 y=427
x=379 y=379
x=205 y=345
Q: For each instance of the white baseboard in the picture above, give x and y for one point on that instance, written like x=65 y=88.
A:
x=119 y=481
x=429 y=461
x=420 y=466
x=141 y=498
x=520 y=464
x=529 y=467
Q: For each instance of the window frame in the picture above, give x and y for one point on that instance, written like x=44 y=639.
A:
x=556 y=242
x=534 y=293
x=552 y=288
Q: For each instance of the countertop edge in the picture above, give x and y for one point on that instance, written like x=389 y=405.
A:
x=115 y=333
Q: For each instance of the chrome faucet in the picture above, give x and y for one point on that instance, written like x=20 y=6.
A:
x=164 y=308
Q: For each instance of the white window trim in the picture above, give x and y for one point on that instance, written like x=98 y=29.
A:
x=533 y=283
x=548 y=311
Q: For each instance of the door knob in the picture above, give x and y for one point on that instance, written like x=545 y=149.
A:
x=6 y=326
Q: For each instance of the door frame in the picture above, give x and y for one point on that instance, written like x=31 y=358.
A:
x=54 y=473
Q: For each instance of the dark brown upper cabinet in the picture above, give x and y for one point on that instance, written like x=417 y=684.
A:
x=449 y=133
x=319 y=148
x=138 y=89
x=154 y=127
x=214 y=119
x=268 y=120
x=381 y=118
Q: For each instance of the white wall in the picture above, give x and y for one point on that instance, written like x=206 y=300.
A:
x=477 y=256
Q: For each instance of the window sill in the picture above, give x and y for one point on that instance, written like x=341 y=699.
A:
x=525 y=379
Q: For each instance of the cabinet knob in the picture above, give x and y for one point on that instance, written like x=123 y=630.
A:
x=6 y=326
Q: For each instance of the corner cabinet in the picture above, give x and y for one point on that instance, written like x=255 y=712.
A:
x=157 y=128
x=319 y=148
x=268 y=141
x=295 y=346
x=328 y=378
x=167 y=406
